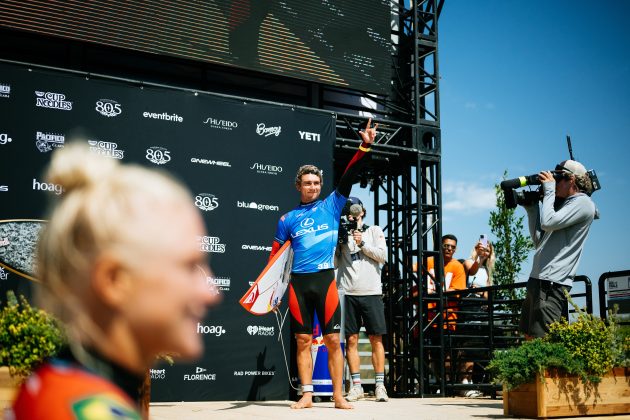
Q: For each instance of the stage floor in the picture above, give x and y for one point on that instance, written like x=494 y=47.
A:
x=395 y=409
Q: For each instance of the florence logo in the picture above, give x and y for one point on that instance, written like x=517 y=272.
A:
x=158 y=155
x=52 y=100
x=108 y=108
x=206 y=202
x=263 y=130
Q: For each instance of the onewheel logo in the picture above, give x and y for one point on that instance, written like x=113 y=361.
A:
x=256 y=247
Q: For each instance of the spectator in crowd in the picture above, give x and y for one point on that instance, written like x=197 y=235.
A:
x=120 y=264
x=480 y=266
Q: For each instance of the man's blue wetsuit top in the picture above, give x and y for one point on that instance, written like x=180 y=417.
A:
x=313 y=227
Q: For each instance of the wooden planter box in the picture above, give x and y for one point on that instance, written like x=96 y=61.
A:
x=562 y=395
x=8 y=388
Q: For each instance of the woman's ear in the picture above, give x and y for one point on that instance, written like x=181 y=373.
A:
x=111 y=281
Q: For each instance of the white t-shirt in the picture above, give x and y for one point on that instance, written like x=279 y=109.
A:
x=480 y=279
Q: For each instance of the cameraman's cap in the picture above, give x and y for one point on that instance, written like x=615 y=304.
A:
x=571 y=167
x=355 y=200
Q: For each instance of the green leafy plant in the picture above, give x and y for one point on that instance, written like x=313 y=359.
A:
x=27 y=336
x=589 y=347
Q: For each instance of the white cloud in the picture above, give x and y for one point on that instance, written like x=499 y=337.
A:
x=470 y=105
x=466 y=197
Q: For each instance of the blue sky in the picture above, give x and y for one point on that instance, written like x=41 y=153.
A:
x=516 y=78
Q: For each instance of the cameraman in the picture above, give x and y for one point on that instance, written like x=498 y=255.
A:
x=558 y=229
x=359 y=262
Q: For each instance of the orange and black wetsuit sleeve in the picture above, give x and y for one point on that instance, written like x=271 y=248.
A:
x=355 y=165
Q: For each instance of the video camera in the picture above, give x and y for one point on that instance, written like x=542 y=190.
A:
x=347 y=226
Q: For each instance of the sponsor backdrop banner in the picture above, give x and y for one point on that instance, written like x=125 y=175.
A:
x=238 y=158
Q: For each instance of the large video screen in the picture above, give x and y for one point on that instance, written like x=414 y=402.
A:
x=343 y=43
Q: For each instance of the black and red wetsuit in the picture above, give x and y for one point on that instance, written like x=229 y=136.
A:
x=312 y=229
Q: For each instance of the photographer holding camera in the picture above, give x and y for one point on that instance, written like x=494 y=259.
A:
x=558 y=229
x=360 y=255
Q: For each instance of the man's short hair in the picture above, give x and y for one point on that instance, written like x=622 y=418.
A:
x=308 y=169
x=449 y=236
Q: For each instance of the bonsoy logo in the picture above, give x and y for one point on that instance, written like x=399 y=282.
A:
x=216 y=330
x=264 y=168
x=52 y=100
x=256 y=206
x=305 y=135
x=45 y=142
x=4 y=139
x=158 y=155
x=211 y=244
x=206 y=202
x=221 y=124
x=263 y=130
x=108 y=108
x=106 y=148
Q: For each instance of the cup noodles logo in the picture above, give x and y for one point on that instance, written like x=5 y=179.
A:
x=108 y=108
x=5 y=90
x=106 y=148
x=52 y=100
x=211 y=244
x=45 y=142
x=263 y=130
x=158 y=155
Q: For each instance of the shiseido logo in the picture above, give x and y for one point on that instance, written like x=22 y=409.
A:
x=52 y=100
x=221 y=124
x=108 y=108
x=263 y=168
x=45 y=142
x=263 y=130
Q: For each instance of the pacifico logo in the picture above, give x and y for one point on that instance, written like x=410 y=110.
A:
x=158 y=373
x=52 y=100
x=216 y=330
x=158 y=155
x=210 y=162
x=255 y=206
x=45 y=142
x=221 y=124
x=106 y=148
x=256 y=247
x=305 y=135
x=5 y=90
x=217 y=284
x=42 y=186
x=263 y=130
x=4 y=139
x=200 y=375
x=164 y=116
x=108 y=108
x=263 y=168
x=211 y=244
x=206 y=202
x=259 y=330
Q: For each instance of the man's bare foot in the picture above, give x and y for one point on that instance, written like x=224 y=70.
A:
x=305 y=402
x=342 y=404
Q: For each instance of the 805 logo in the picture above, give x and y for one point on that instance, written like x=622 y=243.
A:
x=158 y=155
x=108 y=107
x=206 y=202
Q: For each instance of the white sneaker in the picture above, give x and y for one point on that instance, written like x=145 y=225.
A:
x=355 y=393
x=381 y=393
x=473 y=393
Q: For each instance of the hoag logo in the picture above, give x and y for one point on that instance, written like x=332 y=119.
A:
x=108 y=108
x=305 y=135
x=211 y=244
x=259 y=330
x=221 y=124
x=263 y=168
x=263 y=130
x=158 y=155
x=52 y=100
x=4 y=139
x=200 y=375
x=42 y=186
x=45 y=142
x=3 y=274
x=5 y=90
x=216 y=330
x=206 y=202
x=106 y=148
x=158 y=373
x=255 y=206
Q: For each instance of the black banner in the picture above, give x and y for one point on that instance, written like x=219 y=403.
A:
x=239 y=159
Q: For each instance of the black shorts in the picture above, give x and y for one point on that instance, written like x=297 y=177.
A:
x=311 y=293
x=544 y=303
x=368 y=311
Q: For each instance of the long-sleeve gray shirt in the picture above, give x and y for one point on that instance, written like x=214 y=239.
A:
x=359 y=269
x=559 y=235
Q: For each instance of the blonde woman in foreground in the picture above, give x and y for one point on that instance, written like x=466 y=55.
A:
x=119 y=263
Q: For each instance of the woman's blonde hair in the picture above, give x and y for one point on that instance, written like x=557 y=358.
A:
x=99 y=210
x=488 y=263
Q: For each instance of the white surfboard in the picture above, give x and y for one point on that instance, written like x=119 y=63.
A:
x=272 y=282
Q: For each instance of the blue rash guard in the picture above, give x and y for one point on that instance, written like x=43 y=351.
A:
x=313 y=229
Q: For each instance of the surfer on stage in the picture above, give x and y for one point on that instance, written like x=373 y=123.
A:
x=312 y=227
